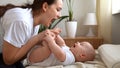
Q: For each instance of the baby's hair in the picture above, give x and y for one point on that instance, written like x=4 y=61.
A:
x=90 y=53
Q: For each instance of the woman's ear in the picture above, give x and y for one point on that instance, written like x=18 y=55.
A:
x=45 y=6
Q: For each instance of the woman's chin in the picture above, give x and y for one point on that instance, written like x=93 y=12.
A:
x=47 y=26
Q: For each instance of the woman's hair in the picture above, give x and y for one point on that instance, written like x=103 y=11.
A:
x=3 y=9
x=36 y=6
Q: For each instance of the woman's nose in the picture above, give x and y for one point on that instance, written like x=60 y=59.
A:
x=59 y=15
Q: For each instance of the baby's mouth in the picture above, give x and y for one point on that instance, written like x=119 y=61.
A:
x=74 y=45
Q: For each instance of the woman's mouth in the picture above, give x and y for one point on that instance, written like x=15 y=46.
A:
x=53 y=20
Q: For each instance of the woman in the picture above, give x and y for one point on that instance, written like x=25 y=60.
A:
x=20 y=26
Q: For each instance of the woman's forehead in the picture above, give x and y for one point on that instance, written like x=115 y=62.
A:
x=59 y=3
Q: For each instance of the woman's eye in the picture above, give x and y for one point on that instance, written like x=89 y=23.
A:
x=58 y=9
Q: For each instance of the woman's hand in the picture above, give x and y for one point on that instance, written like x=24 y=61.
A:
x=55 y=31
x=42 y=34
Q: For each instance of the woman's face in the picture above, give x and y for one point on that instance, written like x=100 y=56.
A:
x=52 y=12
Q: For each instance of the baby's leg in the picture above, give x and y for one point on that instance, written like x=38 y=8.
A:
x=40 y=53
x=59 y=40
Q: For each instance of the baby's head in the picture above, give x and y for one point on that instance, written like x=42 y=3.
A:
x=83 y=51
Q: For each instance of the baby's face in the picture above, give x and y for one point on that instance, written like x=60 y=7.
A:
x=79 y=50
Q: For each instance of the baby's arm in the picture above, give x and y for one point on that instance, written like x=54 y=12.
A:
x=40 y=53
x=55 y=48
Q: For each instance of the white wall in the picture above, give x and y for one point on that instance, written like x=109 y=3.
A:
x=1 y=38
x=115 y=29
x=81 y=8
x=15 y=2
x=115 y=21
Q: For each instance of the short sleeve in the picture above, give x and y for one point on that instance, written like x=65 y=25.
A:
x=17 y=33
x=69 y=58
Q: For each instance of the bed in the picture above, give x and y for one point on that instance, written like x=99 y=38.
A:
x=107 y=56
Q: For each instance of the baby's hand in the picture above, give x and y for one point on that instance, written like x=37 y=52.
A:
x=49 y=37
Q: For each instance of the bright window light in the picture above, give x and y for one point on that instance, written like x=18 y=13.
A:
x=115 y=6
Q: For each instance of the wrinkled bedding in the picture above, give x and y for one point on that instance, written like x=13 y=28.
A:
x=97 y=63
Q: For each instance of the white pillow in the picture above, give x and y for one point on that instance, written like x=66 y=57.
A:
x=110 y=54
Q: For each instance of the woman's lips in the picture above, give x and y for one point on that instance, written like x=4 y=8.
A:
x=53 y=20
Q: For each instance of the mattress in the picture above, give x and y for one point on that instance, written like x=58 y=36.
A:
x=97 y=63
x=110 y=54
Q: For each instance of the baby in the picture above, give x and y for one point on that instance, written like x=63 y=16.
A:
x=53 y=51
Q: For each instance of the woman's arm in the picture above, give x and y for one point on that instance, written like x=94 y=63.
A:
x=42 y=52
x=12 y=54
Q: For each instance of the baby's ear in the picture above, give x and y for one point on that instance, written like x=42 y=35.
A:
x=82 y=55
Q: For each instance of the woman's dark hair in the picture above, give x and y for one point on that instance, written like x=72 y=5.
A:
x=36 y=6
x=3 y=9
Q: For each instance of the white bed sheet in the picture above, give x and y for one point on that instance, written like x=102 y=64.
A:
x=97 y=63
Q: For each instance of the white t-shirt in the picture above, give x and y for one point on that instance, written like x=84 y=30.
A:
x=52 y=60
x=18 y=26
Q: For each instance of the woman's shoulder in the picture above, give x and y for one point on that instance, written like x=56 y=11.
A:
x=15 y=15
x=17 y=12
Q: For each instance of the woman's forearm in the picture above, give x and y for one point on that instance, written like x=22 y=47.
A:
x=12 y=54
